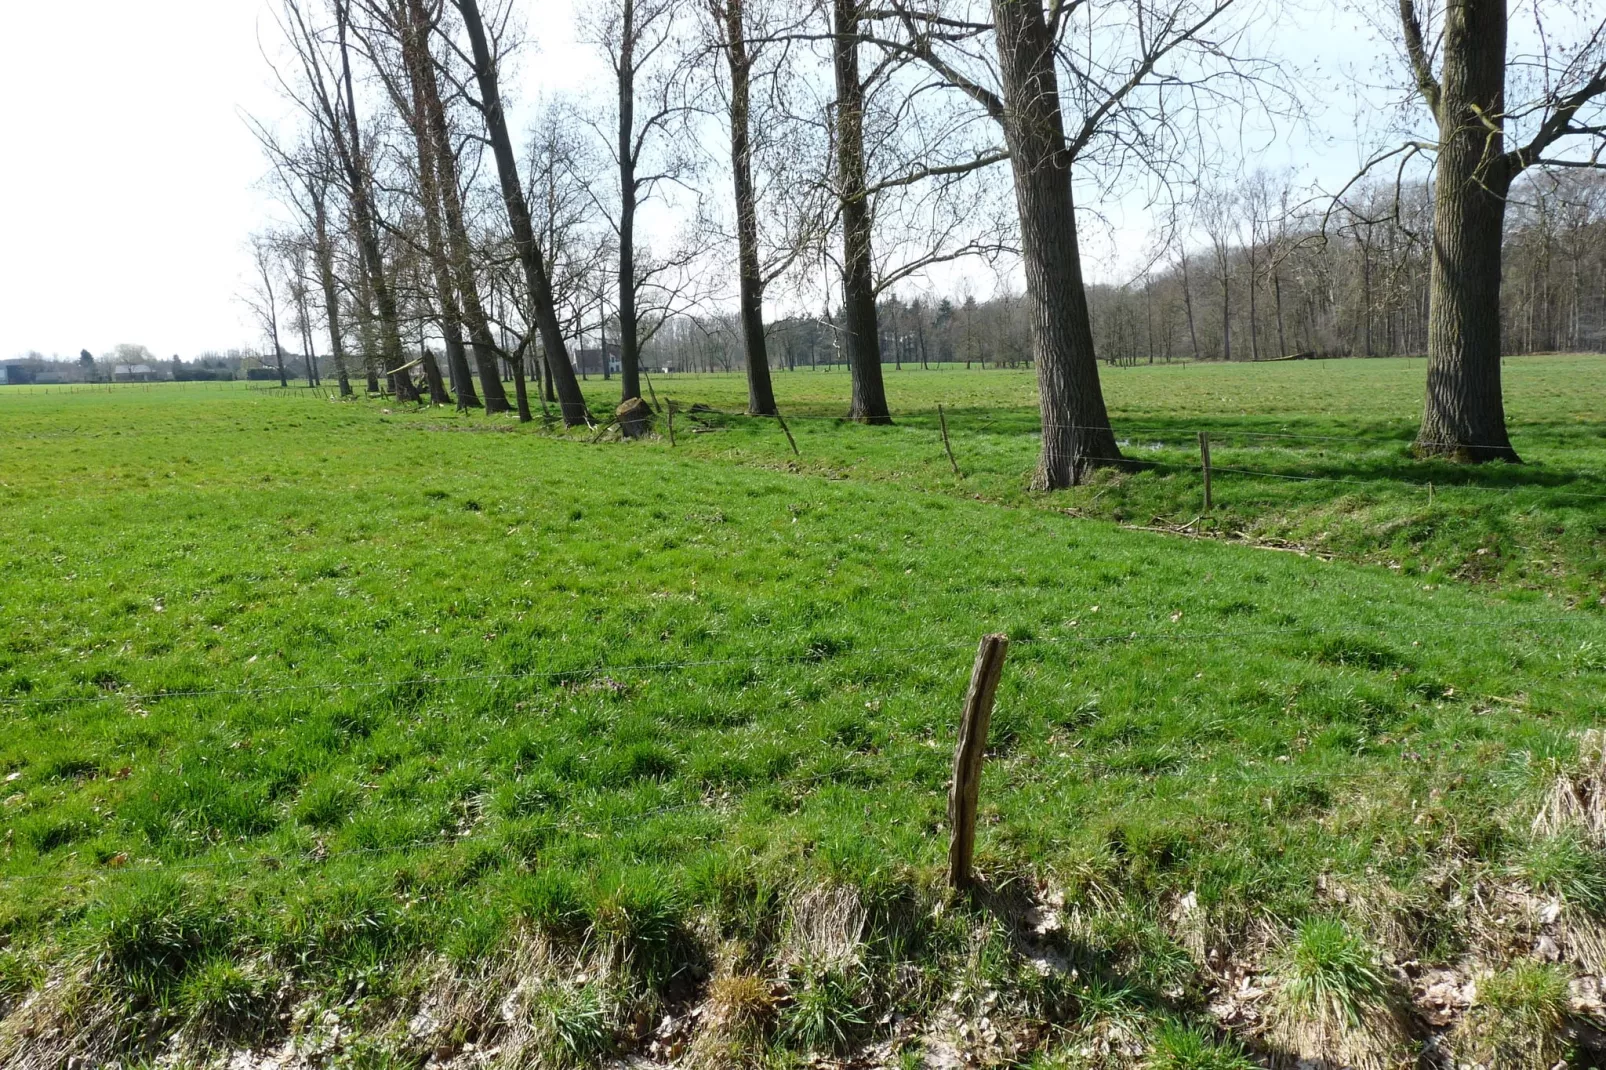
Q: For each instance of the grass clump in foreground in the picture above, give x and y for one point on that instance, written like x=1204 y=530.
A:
x=327 y=728
x=1336 y=1001
x=1516 y=1019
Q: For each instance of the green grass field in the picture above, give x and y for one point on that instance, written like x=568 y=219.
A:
x=394 y=738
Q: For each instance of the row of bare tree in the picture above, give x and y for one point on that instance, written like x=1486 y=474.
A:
x=860 y=143
x=1356 y=281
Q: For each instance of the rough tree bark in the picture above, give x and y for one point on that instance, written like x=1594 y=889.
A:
x=420 y=67
x=323 y=252
x=760 y=389
x=860 y=334
x=570 y=400
x=1463 y=416
x=629 y=191
x=438 y=394
x=1076 y=425
x=459 y=248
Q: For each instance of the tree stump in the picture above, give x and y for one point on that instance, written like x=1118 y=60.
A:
x=634 y=418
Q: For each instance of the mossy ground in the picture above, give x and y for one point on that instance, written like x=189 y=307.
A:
x=317 y=709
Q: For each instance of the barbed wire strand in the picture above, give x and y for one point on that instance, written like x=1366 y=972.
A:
x=141 y=697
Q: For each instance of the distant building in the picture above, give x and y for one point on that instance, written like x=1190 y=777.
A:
x=134 y=373
x=17 y=374
x=589 y=361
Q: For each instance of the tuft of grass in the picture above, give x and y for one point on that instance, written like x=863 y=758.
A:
x=149 y=932
x=18 y=975
x=552 y=900
x=828 y=1007
x=1566 y=866
x=1183 y=1047
x=1515 y=1022
x=572 y=1024
x=642 y=918
x=224 y=997
x=740 y=1016
x=1331 y=974
x=1335 y=1002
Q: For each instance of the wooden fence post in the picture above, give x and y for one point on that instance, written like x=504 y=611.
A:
x=1204 y=456
x=968 y=755
x=943 y=417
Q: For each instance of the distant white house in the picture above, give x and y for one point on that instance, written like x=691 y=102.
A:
x=134 y=373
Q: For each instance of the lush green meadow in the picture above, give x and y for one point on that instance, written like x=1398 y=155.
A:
x=399 y=736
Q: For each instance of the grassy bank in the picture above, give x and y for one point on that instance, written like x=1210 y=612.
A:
x=395 y=737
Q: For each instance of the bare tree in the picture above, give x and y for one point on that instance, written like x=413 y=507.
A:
x=263 y=297
x=1550 y=100
x=1134 y=69
x=861 y=335
x=730 y=19
x=538 y=283
x=305 y=176
x=326 y=93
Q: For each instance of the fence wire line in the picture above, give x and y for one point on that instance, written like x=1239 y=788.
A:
x=584 y=672
x=318 y=392
x=1272 y=778
x=276 y=392
x=1119 y=431
x=409 y=845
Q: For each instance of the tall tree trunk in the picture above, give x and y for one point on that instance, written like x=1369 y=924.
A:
x=519 y=393
x=451 y=316
x=1464 y=415
x=323 y=251
x=570 y=400
x=1187 y=304
x=416 y=56
x=1076 y=426
x=1277 y=299
x=1254 y=306
x=860 y=333
x=278 y=350
x=307 y=348
x=432 y=378
x=458 y=248
x=760 y=389
x=1225 y=270
x=366 y=335
x=349 y=144
x=629 y=190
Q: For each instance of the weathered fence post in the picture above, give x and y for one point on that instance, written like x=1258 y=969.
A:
x=968 y=755
x=1204 y=456
x=943 y=418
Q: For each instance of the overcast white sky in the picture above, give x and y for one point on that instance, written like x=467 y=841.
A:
x=130 y=181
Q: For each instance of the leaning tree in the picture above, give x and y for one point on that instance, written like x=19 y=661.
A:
x=1547 y=98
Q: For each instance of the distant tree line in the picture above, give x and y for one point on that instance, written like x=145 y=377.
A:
x=1354 y=279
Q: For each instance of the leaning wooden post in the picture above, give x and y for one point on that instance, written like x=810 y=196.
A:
x=1204 y=456
x=962 y=796
x=943 y=418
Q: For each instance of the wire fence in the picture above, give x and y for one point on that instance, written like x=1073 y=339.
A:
x=1178 y=766
x=1005 y=424
x=992 y=424
x=591 y=671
